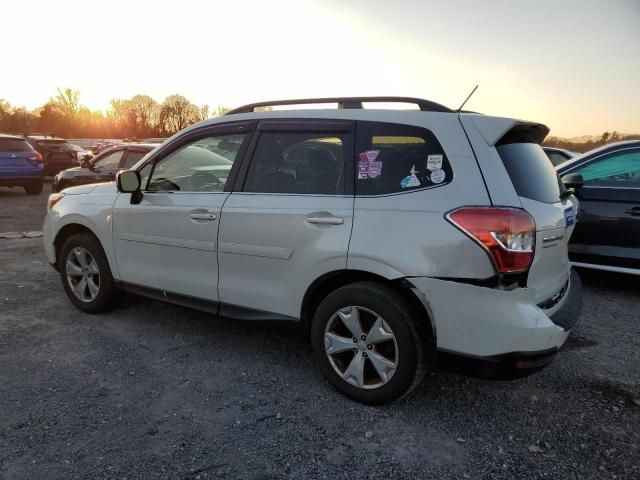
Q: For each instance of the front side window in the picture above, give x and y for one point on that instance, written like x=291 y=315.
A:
x=394 y=158
x=299 y=163
x=110 y=160
x=194 y=167
x=618 y=170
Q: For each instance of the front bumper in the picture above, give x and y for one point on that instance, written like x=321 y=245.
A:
x=48 y=239
x=492 y=324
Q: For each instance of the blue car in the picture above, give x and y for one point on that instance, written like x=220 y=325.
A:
x=20 y=164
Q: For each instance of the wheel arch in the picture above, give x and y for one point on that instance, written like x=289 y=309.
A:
x=331 y=281
x=66 y=232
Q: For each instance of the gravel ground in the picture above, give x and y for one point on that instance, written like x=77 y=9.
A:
x=157 y=391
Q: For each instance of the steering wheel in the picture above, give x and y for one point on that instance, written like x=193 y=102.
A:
x=204 y=181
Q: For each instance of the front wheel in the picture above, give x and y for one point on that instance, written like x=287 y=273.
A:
x=86 y=275
x=367 y=343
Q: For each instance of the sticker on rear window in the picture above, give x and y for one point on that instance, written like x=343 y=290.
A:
x=434 y=162
x=438 y=176
x=568 y=216
x=410 y=180
x=363 y=169
x=367 y=165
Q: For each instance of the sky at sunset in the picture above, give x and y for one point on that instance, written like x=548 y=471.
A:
x=572 y=65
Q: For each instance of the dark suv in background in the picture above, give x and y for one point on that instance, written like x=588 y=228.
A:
x=57 y=154
x=103 y=167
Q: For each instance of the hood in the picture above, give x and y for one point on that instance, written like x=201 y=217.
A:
x=96 y=188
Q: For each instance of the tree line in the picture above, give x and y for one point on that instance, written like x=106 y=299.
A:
x=584 y=144
x=137 y=117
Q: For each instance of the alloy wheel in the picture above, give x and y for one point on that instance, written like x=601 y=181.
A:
x=361 y=347
x=83 y=274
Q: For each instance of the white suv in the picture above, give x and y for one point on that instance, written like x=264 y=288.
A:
x=402 y=239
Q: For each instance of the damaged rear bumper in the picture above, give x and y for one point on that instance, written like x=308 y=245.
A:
x=495 y=333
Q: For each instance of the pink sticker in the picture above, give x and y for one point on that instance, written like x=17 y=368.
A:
x=375 y=169
x=372 y=154
x=363 y=169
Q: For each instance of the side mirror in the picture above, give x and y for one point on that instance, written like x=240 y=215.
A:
x=84 y=162
x=572 y=180
x=128 y=181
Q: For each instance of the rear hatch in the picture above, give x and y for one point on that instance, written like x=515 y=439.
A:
x=543 y=196
x=56 y=151
x=14 y=155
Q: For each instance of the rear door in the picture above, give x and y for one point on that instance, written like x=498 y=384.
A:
x=289 y=221
x=609 y=229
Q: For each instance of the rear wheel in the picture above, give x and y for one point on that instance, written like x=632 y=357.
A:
x=86 y=275
x=33 y=188
x=366 y=342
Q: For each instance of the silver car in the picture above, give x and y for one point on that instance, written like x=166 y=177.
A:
x=403 y=240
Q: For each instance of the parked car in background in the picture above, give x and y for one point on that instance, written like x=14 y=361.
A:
x=558 y=155
x=371 y=227
x=57 y=154
x=607 y=237
x=81 y=153
x=20 y=164
x=103 y=167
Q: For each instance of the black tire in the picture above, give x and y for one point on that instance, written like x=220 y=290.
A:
x=412 y=345
x=33 y=188
x=107 y=295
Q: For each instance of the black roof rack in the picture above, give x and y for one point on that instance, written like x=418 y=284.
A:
x=345 y=102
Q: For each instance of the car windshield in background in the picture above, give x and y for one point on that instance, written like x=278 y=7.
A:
x=531 y=172
x=14 y=145
x=54 y=143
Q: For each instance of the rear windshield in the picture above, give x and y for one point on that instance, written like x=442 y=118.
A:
x=531 y=172
x=14 y=145
x=55 y=143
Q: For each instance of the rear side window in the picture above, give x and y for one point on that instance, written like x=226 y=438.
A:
x=14 y=145
x=531 y=172
x=393 y=158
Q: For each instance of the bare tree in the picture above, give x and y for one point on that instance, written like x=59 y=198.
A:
x=67 y=102
x=203 y=112
x=177 y=113
x=221 y=110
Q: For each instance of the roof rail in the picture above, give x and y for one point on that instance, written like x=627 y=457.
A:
x=346 y=103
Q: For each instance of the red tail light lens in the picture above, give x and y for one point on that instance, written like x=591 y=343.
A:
x=35 y=158
x=508 y=234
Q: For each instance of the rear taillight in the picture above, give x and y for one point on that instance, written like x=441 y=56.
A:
x=35 y=158
x=508 y=234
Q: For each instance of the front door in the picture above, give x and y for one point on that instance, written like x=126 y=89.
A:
x=290 y=222
x=608 y=230
x=168 y=240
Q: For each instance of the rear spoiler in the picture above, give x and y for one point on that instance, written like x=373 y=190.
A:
x=501 y=131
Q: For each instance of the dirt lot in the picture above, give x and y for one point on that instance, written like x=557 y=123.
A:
x=158 y=391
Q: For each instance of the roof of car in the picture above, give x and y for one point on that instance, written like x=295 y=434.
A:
x=10 y=136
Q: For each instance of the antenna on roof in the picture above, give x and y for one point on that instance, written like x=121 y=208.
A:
x=467 y=99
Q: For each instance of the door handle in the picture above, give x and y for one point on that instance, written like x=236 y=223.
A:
x=203 y=216
x=326 y=220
